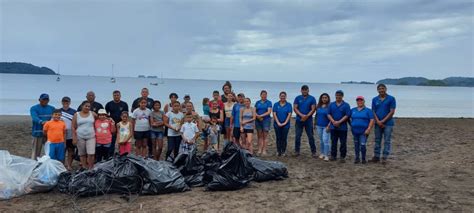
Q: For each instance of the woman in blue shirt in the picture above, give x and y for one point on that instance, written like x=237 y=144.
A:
x=362 y=120
x=322 y=125
x=281 y=115
x=263 y=108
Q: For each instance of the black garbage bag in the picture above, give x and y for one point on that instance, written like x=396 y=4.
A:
x=159 y=177
x=90 y=183
x=235 y=161
x=222 y=180
x=211 y=159
x=126 y=177
x=63 y=182
x=268 y=170
x=191 y=167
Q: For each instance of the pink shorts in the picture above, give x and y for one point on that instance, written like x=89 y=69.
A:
x=125 y=148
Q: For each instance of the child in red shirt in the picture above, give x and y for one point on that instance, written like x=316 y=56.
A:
x=104 y=127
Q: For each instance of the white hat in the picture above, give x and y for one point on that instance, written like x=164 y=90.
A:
x=102 y=111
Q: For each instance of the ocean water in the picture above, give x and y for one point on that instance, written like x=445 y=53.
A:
x=19 y=92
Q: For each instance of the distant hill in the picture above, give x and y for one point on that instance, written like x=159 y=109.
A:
x=419 y=81
x=356 y=82
x=24 y=68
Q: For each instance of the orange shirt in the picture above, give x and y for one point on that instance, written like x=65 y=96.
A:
x=55 y=131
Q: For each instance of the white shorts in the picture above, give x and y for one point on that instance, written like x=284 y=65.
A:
x=85 y=146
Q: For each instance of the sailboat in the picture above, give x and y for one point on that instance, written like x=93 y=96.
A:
x=112 y=79
x=157 y=83
x=58 y=78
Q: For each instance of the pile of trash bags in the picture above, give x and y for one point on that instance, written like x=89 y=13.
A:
x=234 y=169
x=124 y=175
x=231 y=170
x=130 y=175
x=19 y=176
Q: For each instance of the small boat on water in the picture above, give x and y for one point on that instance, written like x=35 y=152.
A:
x=154 y=84
x=58 y=78
x=112 y=78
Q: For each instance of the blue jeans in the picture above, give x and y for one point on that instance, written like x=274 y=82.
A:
x=360 y=141
x=173 y=146
x=324 y=137
x=112 y=147
x=340 y=135
x=281 y=134
x=308 y=126
x=386 y=133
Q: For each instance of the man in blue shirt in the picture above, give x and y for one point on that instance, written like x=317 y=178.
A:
x=304 y=107
x=40 y=114
x=383 y=107
x=235 y=121
x=338 y=114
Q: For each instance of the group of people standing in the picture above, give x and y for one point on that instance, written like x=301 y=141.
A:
x=94 y=132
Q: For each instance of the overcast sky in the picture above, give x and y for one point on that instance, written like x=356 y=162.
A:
x=310 y=41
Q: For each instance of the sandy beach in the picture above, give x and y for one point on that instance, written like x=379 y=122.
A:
x=431 y=169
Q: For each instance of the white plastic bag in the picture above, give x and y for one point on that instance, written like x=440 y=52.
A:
x=44 y=176
x=14 y=172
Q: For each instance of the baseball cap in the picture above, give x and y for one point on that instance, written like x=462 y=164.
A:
x=360 y=98
x=340 y=92
x=102 y=111
x=44 y=96
x=66 y=99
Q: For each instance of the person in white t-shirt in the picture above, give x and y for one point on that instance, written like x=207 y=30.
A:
x=190 y=133
x=172 y=120
x=141 y=127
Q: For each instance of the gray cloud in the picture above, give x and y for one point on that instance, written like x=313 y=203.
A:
x=324 y=41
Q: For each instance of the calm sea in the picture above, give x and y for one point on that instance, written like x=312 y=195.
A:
x=19 y=92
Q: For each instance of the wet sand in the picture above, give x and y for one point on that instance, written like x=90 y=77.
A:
x=431 y=169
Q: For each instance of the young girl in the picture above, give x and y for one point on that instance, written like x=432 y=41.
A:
x=124 y=136
x=263 y=107
x=205 y=106
x=247 y=124
x=213 y=131
x=228 y=106
x=141 y=127
x=219 y=114
x=104 y=128
x=322 y=125
x=157 y=129
x=173 y=120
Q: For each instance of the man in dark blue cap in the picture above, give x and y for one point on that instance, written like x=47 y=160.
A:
x=338 y=113
x=40 y=114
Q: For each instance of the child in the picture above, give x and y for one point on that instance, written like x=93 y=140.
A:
x=124 y=136
x=205 y=106
x=205 y=131
x=216 y=98
x=157 y=129
x=104 y=127
x=213 y=132
x=141 y=127
x=55 y=131
x=190 y=133
x=173 y=122
x=67 y=113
